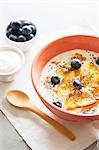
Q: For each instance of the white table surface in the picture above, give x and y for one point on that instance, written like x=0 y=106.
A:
x=49 y=18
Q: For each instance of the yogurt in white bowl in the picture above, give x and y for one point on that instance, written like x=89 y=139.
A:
x=11 y=61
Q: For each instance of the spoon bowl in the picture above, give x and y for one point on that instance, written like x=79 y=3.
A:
x=18 y=98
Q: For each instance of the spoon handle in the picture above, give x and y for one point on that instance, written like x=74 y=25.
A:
x=54 y=123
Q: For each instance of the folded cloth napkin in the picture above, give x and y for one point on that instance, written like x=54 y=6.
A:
x=37 y=133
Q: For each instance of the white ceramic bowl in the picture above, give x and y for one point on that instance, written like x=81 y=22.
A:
x=24 y=46
x=10 y=76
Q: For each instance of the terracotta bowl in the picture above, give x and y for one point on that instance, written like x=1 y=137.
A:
x=48 y=52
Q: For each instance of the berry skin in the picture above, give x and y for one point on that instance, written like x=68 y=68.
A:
x=21 y=38
x=26 y=30
x=77 y=84
x=97 y=61
x=15 y=25
x=13 y=37
x=87 y=112
x=29 y=37
x=76 y=63
x=9 y=31
x=17 y=32
x=58 y=104
x=9 y=26
x=33 y=27
x=55 y=80
x=25 y=23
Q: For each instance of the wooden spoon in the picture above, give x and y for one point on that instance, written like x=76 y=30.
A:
x=21 y=100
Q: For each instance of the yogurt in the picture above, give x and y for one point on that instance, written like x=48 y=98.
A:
x=9 y=61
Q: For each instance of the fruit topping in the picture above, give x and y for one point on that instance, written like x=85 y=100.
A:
x=85 y=102
x=76 y=63
x=97 y=61
x=21 y=38
x=15 y=25
x=55 y=80
x=58 y=104
x=79 y=56
x=77 y=84
x=73 y=103
x=13 y=37
x=30 y=36
x=33 y=29
x=26 y=30
x=9 y=31
x=70 y=104
x=88 y=112
x=17 y=32
x=25 y=22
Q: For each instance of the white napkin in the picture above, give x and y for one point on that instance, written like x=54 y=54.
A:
x=37 y=133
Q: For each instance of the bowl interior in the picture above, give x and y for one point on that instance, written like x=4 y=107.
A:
x=59 y=46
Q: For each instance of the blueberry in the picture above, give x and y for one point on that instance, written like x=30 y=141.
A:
x=29 y=37
x=77 y=84
x=24 y=22
x=76 y=63
x=9 y=31
x=14 y=32
x=15 y=25
x=17 y=32
x=33 y=27
x=58 y=104
x=55 y=80
x=97 y=61
x=21 y=38
x=13 y=37
x=87 y=112
x=26 y=30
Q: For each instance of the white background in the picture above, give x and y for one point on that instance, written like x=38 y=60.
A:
x=51 y=16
